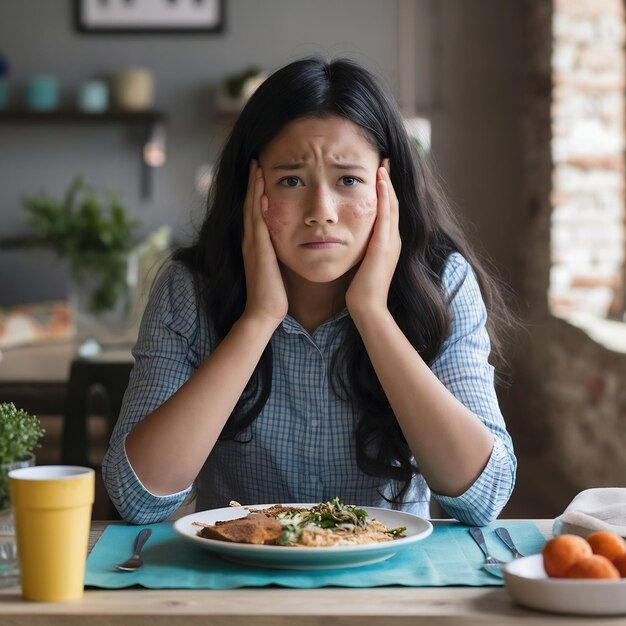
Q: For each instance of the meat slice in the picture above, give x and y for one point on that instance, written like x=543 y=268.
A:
x=255 y=528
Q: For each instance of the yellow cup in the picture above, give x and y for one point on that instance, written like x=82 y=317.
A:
x=52 y=509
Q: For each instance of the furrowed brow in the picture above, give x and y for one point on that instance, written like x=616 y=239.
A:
x=288 y=166
x=349 y=166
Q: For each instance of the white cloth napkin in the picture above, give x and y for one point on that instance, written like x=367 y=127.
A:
x=594 y=509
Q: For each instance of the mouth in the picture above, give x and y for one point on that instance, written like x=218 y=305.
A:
x=320 y=243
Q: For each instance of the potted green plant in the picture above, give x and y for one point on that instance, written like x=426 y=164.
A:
x=19 y=436
x=235 y=89
x=94 y=232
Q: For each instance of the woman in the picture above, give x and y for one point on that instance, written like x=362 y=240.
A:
x=325 y=335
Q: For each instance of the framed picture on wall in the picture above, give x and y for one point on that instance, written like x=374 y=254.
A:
x=148 y=16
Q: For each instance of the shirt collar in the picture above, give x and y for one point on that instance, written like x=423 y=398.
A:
x=291 y=325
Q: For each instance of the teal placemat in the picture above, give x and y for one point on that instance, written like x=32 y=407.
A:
x=447 y=557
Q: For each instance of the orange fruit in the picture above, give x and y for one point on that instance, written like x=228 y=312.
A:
x=607 y=544
x=620 y=564
x=561 y=552
x=594 y=566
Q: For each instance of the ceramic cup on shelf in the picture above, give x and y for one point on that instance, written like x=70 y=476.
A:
x=52 y=508
x=93 y=96
x=42 y=93
x=134 y=90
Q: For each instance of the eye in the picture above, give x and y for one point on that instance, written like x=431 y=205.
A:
x=290 y=181
x=349 y=181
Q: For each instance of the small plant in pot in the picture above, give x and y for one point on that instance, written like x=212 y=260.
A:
x=94 y=232
x=19 y=436
x=20 y=433
x=235 y=90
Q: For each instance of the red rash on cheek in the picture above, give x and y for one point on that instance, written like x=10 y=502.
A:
x=276 y=216
x=364 y=208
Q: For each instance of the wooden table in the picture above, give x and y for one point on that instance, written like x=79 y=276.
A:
x=382 y=606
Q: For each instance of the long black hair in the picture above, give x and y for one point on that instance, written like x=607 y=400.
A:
x=315 y=88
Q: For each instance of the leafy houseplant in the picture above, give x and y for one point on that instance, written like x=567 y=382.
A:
x=93 y=231
x=235 y=89
x=234 y=85
x=19 y=436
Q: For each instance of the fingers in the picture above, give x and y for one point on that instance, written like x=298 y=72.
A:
x=251 y=205
x=383 y=214
x=256 y=232
x=247 y=203
x=258 y=194
x=393 y=204
x=386 y=228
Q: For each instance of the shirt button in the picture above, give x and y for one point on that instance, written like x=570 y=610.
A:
x=314 y=423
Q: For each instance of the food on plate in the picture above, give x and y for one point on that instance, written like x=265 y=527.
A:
x=254 y=528
x=594 y=566
x=561 y=552
x=324 y=525
x=601 y=554
x=607 y=544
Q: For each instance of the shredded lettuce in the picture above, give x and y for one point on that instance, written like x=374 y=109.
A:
x=331 y=514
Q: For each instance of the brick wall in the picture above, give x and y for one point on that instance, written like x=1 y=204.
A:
x=569 y=397
x=587 y=408
x=587 y=223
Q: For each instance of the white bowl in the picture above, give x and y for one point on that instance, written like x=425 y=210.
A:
x=529 y=585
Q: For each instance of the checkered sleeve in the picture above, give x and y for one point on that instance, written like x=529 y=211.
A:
x=163 y=362
x=462 y=366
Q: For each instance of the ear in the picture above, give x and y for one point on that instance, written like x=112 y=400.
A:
x=385 y=163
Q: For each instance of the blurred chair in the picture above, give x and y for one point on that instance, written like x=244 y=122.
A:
x=88 y=376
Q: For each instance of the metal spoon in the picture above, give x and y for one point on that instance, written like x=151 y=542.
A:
x=135 y=562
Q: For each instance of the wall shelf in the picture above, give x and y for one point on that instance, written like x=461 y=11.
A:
x=146 y=119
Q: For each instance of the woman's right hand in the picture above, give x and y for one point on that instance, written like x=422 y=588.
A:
x=266 y=295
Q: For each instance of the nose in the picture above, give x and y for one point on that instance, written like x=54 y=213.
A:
x=321 y=207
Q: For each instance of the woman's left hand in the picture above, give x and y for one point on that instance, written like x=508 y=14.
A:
x=370 y=285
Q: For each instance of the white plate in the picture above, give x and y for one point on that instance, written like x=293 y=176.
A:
x=286 y=557
x=528 y=584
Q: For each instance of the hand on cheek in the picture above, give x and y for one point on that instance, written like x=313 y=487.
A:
x=370 y=286
x=266 y=296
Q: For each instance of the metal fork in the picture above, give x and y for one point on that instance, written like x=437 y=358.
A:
x=491 y=565
x=504 y=535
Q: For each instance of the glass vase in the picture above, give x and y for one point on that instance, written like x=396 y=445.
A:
x=9 y=562
x=101 y=297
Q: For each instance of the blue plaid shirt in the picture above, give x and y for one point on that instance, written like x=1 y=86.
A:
x=301 y=447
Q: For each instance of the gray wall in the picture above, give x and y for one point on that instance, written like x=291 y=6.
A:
x=478 y=134
x=468 y=83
